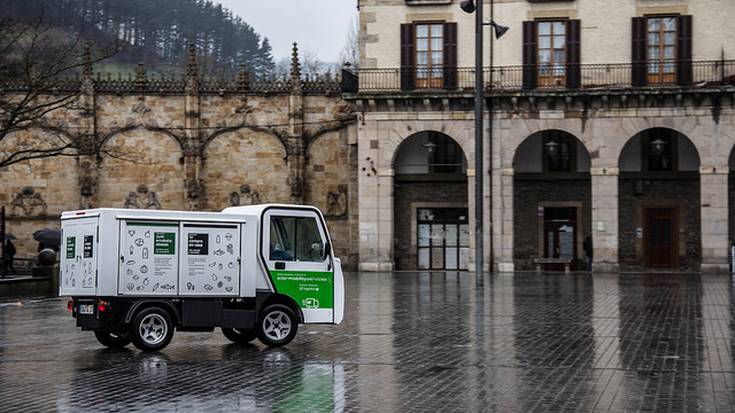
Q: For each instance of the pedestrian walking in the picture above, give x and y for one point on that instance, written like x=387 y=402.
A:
x=587 y=247
x=9 y=256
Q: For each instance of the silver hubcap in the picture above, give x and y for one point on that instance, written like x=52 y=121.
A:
x=153 y=329
x=277 y=325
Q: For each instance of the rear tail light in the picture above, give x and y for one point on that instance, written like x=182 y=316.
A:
x=70 y=305
x=102 y=306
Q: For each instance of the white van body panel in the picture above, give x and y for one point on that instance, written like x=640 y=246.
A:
x=181 y=251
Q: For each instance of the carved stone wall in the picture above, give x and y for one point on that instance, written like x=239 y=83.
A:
x=192 y=143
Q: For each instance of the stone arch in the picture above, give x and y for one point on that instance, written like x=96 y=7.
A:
x=552 y=198
x=461 y=132
x=430 y=204
x=629 y=151
x=532 y=143
x=657 y=165
x=511 y=142
x=252 y=129
x=36 y=191
x=140 y=129
x=234 y=165
x=143 y=168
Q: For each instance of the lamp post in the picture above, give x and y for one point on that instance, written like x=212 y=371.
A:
x=469 y=6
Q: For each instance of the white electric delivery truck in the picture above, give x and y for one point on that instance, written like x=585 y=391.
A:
x=254 y=271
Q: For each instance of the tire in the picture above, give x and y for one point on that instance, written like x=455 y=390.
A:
x=239 y=335
x=152 y=329
x=113 y=339
x=277 y=325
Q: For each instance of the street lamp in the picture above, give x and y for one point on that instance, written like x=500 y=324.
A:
x=469 y=6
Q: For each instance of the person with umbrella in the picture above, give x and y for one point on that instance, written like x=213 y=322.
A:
x=48 y=238
x=8 y=254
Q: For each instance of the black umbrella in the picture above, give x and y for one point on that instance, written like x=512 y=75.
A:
x=10 y=237
x=48 y=237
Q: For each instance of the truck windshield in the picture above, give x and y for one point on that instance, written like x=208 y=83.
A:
x=295 y=239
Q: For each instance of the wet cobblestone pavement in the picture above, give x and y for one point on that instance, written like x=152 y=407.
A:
x=411 y=342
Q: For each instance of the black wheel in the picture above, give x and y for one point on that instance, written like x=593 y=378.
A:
x=239 y=335
x=152 y=329
x=113 y=339
x=277 y=326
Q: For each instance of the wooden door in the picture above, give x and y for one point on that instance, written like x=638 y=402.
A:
x=661 y=238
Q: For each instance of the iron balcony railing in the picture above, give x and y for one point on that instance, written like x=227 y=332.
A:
x=558 y=77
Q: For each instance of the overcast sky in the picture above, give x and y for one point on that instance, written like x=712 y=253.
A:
x=317 y=25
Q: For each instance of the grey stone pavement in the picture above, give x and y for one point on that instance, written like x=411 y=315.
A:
x=411 y=342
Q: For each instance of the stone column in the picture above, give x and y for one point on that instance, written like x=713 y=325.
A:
x=296 y=142
x=503 y=220
x=192 y=142
x=714 y=220
x=375 y=200
x=604 y=219
x=88 y=159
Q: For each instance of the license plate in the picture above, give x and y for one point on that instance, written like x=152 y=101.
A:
x=86 y=309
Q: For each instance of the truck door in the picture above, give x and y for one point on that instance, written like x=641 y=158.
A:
x=301 y=266
x=79 y=257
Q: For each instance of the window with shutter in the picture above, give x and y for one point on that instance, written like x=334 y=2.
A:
x=638 y=52
x=429 y=55
x=529 y=55
x=408 y=66
x=552 y=52
x=450 y=56
x=661 y=49
x=574 y=70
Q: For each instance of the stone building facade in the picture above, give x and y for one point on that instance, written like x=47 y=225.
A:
x=608 y=122
x=190 y=143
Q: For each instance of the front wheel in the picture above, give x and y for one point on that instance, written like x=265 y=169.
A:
x=113 y=339
x=152 y=329
x=277 y=326
x=239 y=335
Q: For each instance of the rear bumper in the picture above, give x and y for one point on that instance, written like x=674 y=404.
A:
x=107 y=319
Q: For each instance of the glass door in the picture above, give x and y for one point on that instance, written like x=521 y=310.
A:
x=443 y=239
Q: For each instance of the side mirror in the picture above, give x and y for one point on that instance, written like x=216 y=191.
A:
x=328 y=250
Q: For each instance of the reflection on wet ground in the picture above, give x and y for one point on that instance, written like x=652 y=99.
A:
x=411 y=341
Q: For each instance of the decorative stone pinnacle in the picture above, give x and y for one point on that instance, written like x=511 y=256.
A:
x=192 y=69
x=140 y=77
x=87 y=72
x=295 y=65
x=295 y=69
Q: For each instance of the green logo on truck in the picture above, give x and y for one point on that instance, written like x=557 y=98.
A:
x=71 y=247
x=310 y=289
x=164 y=243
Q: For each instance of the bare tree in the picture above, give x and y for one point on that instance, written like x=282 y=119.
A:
x=34 y=61
x=351 y=51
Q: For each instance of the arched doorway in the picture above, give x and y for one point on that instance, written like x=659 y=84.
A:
x=659 y=202
x=430 y=204
x=552 y=202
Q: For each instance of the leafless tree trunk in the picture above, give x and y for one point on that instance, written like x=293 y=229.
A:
x=36 y=63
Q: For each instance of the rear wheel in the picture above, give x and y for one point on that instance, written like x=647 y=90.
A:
x=152 y=329
x=113 y=339
x=239 y=335
x=277 y=325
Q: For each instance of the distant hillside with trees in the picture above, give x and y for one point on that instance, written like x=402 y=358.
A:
x=155 y=32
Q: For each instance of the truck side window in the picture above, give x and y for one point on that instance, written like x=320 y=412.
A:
x=309 y=245
x=295 y=239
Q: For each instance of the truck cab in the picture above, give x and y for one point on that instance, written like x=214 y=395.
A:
x=253 y=271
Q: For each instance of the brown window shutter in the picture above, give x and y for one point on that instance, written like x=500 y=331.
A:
x=450 y=56
x=684 y=52
x=574 y=71
x=408 y=57
x=638 y=52
x=530 y=80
